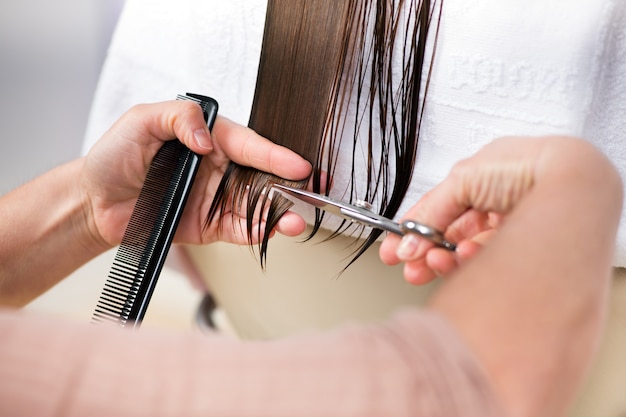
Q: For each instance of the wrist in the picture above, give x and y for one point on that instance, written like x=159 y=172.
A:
x=85 y=227
x=46 y=235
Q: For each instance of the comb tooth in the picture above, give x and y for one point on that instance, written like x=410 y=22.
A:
x=120 y=282
x=118 y=292
x=123 y=280
x=114 y=299
x=151 y=227
x=189 y=98
x=112 y=293
x=108 y=312
x=111 y=305
x=122 y=275
x=103 y=315
x=112 y=309
x=120 y=286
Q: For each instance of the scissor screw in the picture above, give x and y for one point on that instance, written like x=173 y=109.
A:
x=363 y=204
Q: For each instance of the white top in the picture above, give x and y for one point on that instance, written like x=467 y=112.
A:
x=503 y=67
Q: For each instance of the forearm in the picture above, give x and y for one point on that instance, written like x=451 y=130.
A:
x=44 y=234
x=531 y=303
x=400 y=368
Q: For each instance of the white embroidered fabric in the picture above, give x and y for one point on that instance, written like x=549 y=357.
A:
x=503 y=67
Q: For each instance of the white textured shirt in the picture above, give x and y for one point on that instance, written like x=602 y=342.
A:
x=502 y=67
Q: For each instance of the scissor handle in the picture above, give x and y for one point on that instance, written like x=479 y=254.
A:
x=427 y=232
x=365 y=216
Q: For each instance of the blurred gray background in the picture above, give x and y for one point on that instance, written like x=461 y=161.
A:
x=51 y=53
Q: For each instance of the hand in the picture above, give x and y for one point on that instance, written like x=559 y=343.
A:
x=468 y=205
x=115 y=169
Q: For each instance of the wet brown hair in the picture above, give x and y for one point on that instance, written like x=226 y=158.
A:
x=318 y=58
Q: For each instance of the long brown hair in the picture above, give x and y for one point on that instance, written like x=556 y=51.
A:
x=319 y=58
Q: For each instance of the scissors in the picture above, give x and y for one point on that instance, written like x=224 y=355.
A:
x=360 y=213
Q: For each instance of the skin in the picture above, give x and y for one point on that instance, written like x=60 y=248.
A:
x=535 y=220
x=88 y=201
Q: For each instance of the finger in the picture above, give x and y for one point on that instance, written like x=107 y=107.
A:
x=412 y=247
x=291 y=224
x=234 y=229
x=418 y=272
x=387 y=250
x=483 y=238
x=441 y=206
x=244 y=146
x=469 y=224
x=169 y=120
x=441 y=261
x=467 y=249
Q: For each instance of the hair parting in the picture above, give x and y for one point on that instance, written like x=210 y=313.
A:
x=331 y=71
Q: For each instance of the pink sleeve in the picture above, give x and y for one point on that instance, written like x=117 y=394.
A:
x=412 y=365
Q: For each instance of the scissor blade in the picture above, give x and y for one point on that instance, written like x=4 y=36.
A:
x=316 y=200
x=366 y=217
x=348 y=211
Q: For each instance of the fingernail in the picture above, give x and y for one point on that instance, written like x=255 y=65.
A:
x=203 y=139
x=408 y=246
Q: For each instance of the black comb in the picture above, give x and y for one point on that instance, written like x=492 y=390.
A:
x=153 y=222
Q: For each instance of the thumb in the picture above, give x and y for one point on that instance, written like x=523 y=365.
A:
x=169 y=120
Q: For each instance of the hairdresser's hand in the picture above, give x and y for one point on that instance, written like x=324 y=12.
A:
x=115 y=169
x=468 y=205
